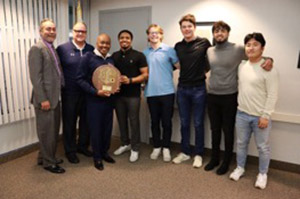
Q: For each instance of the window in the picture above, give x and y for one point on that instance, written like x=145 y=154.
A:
x=19 y=22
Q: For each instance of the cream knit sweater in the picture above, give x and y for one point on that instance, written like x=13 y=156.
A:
x=258 y=89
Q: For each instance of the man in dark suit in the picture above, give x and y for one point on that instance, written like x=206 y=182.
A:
x=99 y=102
x=47 y=79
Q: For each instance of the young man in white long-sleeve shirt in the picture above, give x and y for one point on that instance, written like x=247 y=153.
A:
x=258 y=91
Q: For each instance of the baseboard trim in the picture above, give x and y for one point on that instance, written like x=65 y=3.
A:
x=253 y=160
x=11 y=155
x=274 y=164
x=17 y=153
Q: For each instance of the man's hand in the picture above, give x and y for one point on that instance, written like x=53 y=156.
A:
x=124 y=79
x=263 y=123
x=45 y=105
x=103 y=93
x=268 y=64
x=118 y=90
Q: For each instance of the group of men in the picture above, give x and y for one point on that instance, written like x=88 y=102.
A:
x=53 y=76
x=69 y=72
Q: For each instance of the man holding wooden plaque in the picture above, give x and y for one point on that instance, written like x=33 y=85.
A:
x=99 y=80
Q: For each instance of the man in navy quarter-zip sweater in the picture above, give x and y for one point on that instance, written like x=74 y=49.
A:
x=99 y=102
x=73 y=100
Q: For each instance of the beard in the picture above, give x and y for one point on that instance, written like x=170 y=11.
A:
x=220 y=42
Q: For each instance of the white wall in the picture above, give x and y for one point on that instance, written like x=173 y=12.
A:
x=277 y=20
x=17 y=135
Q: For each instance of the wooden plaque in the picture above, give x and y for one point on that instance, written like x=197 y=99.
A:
x=107 y=78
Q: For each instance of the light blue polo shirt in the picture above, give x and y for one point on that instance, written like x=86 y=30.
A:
x=160 y=64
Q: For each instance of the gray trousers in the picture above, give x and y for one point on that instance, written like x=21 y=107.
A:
x=47 y=124
x=129 y=108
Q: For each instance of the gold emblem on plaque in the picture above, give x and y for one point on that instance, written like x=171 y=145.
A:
x=107 y=78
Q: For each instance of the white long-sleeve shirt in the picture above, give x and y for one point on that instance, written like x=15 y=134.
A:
x=258 y=89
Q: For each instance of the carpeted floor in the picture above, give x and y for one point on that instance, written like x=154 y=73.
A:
x=22 y=178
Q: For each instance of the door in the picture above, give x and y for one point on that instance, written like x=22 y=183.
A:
x=137 y=21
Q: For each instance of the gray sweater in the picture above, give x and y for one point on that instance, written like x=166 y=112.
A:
x=224 y=60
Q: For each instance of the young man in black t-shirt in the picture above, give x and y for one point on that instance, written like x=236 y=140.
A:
x=191 y=93
x=133 y=67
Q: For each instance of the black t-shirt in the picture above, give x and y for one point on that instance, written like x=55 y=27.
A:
x=193 y=62
x=129 y=63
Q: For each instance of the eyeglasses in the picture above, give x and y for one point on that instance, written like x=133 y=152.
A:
x=154 y=33
x=80 y=31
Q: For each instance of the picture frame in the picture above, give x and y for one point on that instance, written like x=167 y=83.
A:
x=299 y=60
x=204 y=29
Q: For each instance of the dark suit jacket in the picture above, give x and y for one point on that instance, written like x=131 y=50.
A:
x=44 y=75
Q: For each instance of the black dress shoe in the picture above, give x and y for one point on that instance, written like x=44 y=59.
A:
x=99 y=165
x=108 y=159
x=223 y=169
x=85 y=152
x=211 y=165
x=58 y=161
x=55 y=169
x=40 y=162
x=72 y=157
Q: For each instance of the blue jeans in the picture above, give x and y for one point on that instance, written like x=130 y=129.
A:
x=245 y=125
x=192 y=100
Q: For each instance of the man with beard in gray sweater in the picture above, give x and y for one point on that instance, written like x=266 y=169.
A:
x=224 y=59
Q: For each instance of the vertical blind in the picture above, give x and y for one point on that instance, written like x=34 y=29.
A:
x=19 y=24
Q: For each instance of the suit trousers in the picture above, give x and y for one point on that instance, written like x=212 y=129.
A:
x=47 y=124
x=100 y=120
x=129 y=108
x=74 y=107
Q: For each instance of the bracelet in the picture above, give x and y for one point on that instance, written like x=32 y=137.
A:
x=130 y=80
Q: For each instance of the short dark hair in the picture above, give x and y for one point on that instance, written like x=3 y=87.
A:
x=189 y=18
x=127 y=31
x=257 y=36
x=220 y=25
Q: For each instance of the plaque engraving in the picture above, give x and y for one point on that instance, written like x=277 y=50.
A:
x=107 y=78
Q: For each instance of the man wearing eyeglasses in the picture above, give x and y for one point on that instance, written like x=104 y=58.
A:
x=160 y=91
x=73 y=101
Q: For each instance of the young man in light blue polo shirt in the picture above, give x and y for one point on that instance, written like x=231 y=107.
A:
x=160 y=90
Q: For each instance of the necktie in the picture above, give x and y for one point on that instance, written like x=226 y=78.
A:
x=57 y=65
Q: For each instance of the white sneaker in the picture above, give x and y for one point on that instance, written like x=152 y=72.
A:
x=197 y=161
x=166 y=155
x=134 y=156
x=155 y=153
x=122 y=149
x=237 y=173
x=181 y=157
x=261 y=181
